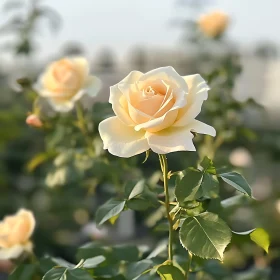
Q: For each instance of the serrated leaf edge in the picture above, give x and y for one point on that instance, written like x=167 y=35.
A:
x=198 y=255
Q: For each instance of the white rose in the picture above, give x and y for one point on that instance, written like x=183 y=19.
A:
x=65 y=81
x=157 y=111
x=15 y=233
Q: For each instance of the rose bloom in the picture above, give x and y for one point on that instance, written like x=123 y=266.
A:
x=213 y=24
x=157 y=111
x=65 y=81
x=34 y=120
x=15 y=232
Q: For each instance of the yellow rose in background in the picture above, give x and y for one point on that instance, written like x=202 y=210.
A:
x=213 y=24
x=65 y=81
x=157 y=111
x=15 y=233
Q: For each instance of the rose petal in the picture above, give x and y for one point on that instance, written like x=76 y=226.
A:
x=65 y=105
x=137 y=116
x=128 y=84
x=166 y=105
x=122 y=140
x=119 y=96
x=92 y=86
x=131 y=78
x=119 y=105
x=159 y=124
x=81 y=65
x=11 y=253
x=47 y=80
x=202 y=128
x=198 y=92
x=166 y=73
x=171 y=140
x=15 y=251
x=29 y=219
x=147 y=105
x=168 y=118
x=197 y=85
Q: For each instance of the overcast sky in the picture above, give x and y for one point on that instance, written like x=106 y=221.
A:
x=120 y=24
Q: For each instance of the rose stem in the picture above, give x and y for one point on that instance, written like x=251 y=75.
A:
x=164 y=168
x=82 y=125
x=188 y=265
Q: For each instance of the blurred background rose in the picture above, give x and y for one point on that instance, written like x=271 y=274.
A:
x=117 y=37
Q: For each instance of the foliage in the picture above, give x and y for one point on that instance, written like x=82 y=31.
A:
x=67 y=171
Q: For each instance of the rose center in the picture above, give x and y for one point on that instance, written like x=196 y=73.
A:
x=65 y=75
x=154 y=98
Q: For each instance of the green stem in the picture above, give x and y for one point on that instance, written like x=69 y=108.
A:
x=164 y=168
x=83 y=127
x=81 y=119
x=36 y=107
x=188 y=265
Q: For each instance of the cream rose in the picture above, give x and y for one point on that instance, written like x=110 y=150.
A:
x=15 y=233
x=65 y=81
x=213 y=24
x=157 y=111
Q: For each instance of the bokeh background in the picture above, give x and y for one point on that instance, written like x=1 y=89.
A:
x=117 y=37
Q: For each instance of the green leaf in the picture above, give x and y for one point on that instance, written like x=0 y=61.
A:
x=261 y=238
x=205 y=236
x=258 y=235
x=195 y=211
x=62 y=262
x=147 y=156
x=133 y=190
x=188 y=188
x=210 y=186
x=170 y=272
x=93 y=262
x=237 y=181
x=235 y=201
x=161 y=247
x=78 y=274
x=93 y=249
x=23 y=272
x=106 y=272
x=56 y=274
x=208 y=165
x=138 y=204
x=135 y=270
x=216 y=269
x=38 y=160
x=114 y=219
x=244 y=232
x=108 y=210
x=117 y=277
x=125 y=253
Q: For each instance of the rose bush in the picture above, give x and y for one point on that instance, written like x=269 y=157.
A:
x=157 y=111
x=213 y=24
x=65 y=81
x=15 y=232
